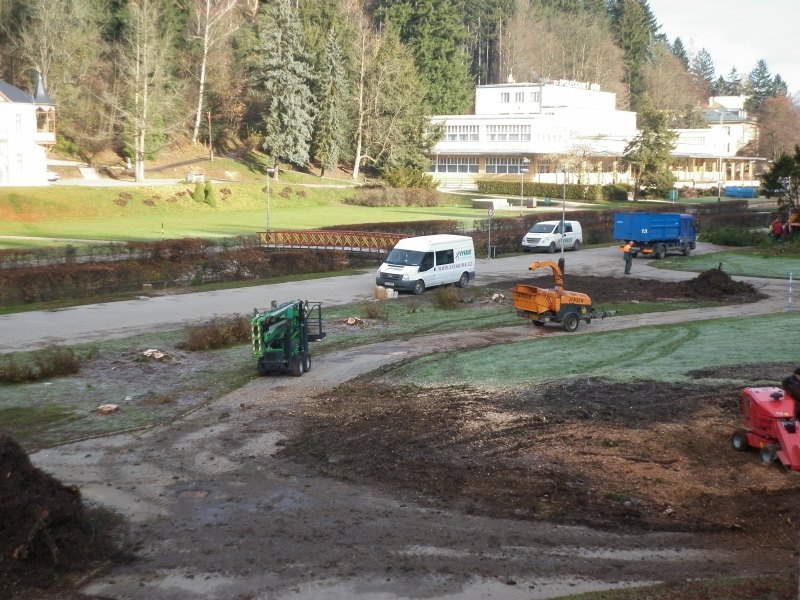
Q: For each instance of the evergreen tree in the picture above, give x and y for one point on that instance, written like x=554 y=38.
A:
x=633 y=32
x=331 y=90
x=285 y=75
x=702 y=68
x=434 y=31
x=733 y=83
x=649 y=154
x=785 y=176
x=779 y=87
x=679 y=50
x=759 y=85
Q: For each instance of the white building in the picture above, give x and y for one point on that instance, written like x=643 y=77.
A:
x=27 y=129
x=544 y=132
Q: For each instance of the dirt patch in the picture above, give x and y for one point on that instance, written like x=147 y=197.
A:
x=48 y=536
x=586 y=451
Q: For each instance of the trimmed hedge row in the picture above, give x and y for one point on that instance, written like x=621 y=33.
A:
x=582 y=193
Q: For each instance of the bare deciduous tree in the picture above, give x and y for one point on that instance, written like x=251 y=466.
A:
x=212 y=22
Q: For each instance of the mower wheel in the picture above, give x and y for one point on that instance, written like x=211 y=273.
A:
x=306 y=362
x=296 y=366
x=570 y=322
x=261 y=367
x=769 y=454
x=739 y=440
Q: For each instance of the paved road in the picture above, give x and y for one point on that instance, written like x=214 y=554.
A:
x=38 y=329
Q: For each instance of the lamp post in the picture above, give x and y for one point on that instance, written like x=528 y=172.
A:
x=563 y=215
x=523 y=168
x=269 y=191
x=719 y=158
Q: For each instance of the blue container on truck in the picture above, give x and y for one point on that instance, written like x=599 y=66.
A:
x=656 y=234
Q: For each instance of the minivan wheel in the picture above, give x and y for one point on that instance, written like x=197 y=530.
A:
x=551 y=248
x=576 y=246
x=463 y=280
x=419 y=287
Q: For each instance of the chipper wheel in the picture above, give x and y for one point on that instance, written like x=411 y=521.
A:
x=570 y=322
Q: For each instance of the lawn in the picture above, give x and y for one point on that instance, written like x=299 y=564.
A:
x=747 y=262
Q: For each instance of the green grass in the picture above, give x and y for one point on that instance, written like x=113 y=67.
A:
x=661 y=353
x=747 y=262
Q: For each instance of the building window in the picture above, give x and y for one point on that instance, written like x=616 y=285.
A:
x=455 y=164
x=503 y=164
x=462 y=133
x=505 y=97
x=519 y=97
x=536 y=97
x=508 y=133
x=19 y=123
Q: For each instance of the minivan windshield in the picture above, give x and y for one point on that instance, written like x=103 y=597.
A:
x=542 y=228
x=405 y=258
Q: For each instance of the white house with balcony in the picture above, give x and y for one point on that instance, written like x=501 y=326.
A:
x=546 y=132
x=27 y=129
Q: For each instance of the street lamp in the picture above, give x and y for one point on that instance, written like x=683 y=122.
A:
x=563 y=215
x=719 y=158
x=270 y=172
x=523 y=168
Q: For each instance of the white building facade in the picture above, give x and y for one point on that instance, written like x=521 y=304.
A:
x=546 y=132
x=27 y=129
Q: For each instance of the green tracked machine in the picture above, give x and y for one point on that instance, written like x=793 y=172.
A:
x=281 y=336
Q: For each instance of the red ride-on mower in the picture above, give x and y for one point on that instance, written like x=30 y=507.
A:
x=769 y=423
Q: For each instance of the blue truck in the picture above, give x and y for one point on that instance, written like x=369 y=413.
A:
x=656 y=234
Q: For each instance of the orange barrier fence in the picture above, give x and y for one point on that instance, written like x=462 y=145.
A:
x=356 y=241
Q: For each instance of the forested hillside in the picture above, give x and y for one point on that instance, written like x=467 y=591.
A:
x=345 y=82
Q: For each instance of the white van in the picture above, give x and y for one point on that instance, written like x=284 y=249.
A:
x=547 y=236
x=421 y=262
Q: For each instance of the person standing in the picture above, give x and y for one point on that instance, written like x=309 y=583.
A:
x=776 y=229
x=791 y=385
x=627 y=254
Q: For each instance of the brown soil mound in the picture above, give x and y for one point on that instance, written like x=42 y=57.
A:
x=46 y=534
x=716 y=284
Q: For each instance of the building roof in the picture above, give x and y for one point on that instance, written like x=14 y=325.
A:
x=14 y=94
x=41 y=96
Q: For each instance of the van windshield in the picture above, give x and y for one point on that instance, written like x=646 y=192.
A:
x=405 y=258
x=542 y=228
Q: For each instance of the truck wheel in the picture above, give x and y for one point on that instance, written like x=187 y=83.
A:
x=419 y=287
x=570 y=322
x=739 y=440
x=306 y=362
x=576 y=246
x=463 y=280
x=296 y=366
x=660 y=252
x=551 y=248
x=687 y=250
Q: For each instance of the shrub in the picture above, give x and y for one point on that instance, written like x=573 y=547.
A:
x=210 y=194
x=615 y=192
x=734 y=236
x=219 y=332
x=55 y=361
x=377 y=311
x=446 y=297
x=404 y=177
x=199 y=193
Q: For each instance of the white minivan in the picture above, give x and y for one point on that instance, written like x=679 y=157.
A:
x=547 y=236
x=421 y=262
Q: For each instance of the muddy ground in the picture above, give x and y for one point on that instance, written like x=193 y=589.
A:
x=619 y=458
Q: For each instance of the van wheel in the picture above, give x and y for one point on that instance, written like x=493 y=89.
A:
x=463 y=280
x=419 y=287
x=576 y=246
x=551 y=248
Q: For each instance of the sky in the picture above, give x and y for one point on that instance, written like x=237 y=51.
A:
x=737 y=33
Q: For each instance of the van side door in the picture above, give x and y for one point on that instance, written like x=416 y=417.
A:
x=445 y=266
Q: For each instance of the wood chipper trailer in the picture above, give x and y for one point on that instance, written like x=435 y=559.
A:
x=769 y=423
x=281 y=336
x=554 y=305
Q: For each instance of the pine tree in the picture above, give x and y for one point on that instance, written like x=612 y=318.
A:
x=649 y=154
x=702 y=67
x=634 y=34
x=285 y=75
x=759 y=85
x=679 y=50
x=434 y=31
x=331 y=93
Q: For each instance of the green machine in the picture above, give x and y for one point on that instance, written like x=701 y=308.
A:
x=281 y=336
